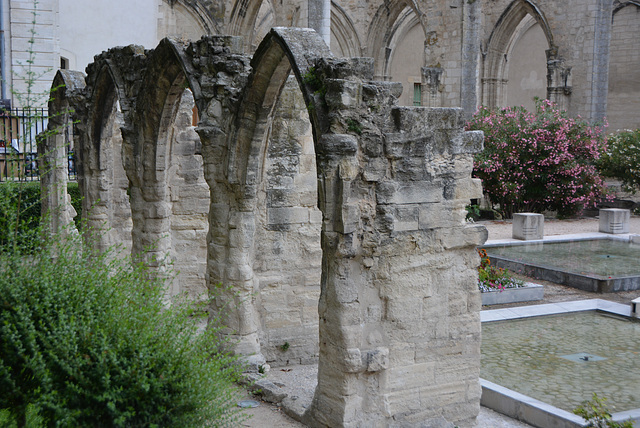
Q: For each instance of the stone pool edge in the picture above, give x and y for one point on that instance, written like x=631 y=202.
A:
x=528 y=293
x=586 y=282
x=530 y=410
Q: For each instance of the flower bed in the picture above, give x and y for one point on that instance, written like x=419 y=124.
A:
x=491 y=278
x=499 y=287
x=525 y=293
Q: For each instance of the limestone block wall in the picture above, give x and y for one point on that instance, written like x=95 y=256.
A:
x=398 y=329
x=288 y=255
x=624 y=73
x=189 y=197
x=579 y=36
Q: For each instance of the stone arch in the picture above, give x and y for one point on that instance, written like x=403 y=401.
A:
x=54 y=149
x=385 y=243
x=383 y=30
x=406 y=59
x=507 y=29
x=345 y=40
x=624 y=56
x=281 y=53
x=526 y=69
x=169 y=195
x=102 y=180
x=245 y=14
x=187 y=19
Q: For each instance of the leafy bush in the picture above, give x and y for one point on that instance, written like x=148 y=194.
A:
x=621 y=159
x=491 y=278
x=533 y=162
x=76 y=201
x=596 y=413
x=86 y=339
x=20 y=213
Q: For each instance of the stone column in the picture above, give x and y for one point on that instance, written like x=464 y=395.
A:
x=559 y=82
x=432 y=84
x=399 y=307
x=470 y=56
x=600 y=59
x=320 y=18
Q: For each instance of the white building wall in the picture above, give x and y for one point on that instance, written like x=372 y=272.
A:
x=92 y=26
x=21 y=37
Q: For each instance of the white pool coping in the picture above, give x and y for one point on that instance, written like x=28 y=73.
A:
x=568 y=237
x=530 y=410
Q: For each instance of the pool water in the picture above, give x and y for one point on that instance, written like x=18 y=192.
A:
x=600 y=257
x=544 y=358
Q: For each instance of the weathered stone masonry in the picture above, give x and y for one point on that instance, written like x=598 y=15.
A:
x=398 y=312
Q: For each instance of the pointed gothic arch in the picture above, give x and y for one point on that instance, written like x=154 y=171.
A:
x=392 y=228
x=345 y=41
x=54 y=151
x=390 y=19
x=517 y=18
x=103 y=180
x=167 y=167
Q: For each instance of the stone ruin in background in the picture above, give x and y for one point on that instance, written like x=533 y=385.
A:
x=336 y=217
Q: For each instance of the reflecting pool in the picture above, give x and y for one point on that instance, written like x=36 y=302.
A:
x=563 y=359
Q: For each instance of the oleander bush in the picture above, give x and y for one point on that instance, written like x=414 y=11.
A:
x=87 y=339
x=538 y=161
x=621 y=159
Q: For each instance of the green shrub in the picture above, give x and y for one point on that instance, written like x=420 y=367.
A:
x=76 y=200
x=19 y=216
x=87 y=340
x=538 y=161
x=621 y=159
x=20 y=213
x=596 y=413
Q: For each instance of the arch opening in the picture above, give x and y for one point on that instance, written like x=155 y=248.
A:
x=103 y=182
x=624 y=74
x=515 y=63
x=170 y=197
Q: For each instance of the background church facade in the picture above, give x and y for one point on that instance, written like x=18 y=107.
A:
x=456 y=53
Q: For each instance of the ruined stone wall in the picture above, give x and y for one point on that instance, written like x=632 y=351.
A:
x=189 y=196
x=578 y=38
x=624 y=73
x=397 y=328
x=288 y=256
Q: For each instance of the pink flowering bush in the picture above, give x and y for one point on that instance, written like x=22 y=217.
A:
x=538 y=161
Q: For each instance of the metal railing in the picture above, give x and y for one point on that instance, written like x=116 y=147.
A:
x=19 y=130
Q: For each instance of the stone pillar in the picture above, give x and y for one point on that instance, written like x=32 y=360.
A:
x=432 y=86
x=471 y=26
x=559 y=85
x=603 y=11
x=399 y=283
x=528 y=226
x=56 y=203
x=320 y=18
x=614 y=220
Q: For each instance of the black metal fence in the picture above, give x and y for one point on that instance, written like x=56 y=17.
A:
x=19 y=130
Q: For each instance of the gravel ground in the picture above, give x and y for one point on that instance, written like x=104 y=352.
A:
x=299 y=381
